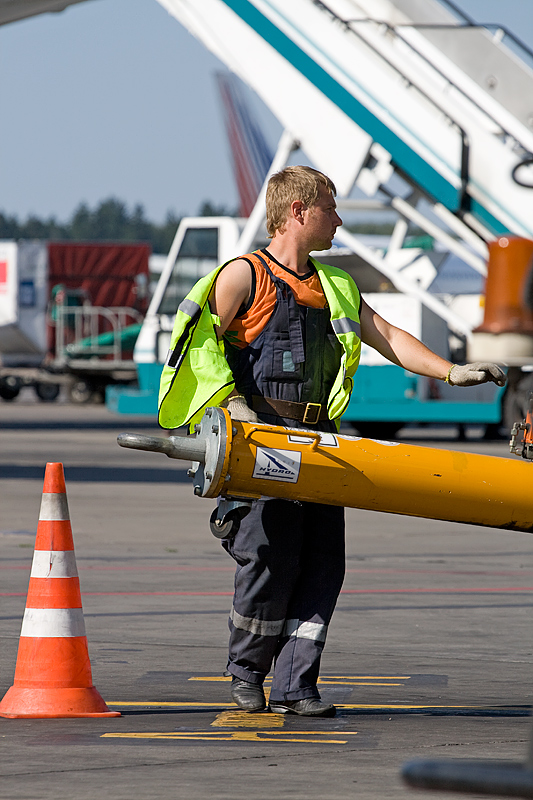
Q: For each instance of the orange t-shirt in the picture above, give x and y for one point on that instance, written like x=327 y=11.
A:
x=307 y=291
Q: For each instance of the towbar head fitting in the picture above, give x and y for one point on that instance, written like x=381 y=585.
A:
x=208 y=450
x=181 y=447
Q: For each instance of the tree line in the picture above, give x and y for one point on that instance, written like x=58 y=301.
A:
x=110 y=221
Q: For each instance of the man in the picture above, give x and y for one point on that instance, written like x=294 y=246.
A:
x=292 y=330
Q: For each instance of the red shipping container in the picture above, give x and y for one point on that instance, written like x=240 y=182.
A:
x=107 y=273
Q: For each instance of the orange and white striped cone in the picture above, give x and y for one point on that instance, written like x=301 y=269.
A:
x=53 y=674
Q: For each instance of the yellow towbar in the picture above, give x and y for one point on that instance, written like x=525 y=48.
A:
x=238 y=462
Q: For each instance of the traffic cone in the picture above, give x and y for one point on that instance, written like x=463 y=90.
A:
x=53 y=673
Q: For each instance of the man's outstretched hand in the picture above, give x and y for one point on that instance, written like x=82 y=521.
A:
x=473 y=374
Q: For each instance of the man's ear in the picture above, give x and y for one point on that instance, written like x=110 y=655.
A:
x=297 y=210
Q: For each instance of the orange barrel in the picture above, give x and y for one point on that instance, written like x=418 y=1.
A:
x=509 y=277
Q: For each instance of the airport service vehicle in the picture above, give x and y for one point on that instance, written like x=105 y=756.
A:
x=411 y=107
x=69 y=315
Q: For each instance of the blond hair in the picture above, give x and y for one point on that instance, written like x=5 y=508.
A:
x=292 y=183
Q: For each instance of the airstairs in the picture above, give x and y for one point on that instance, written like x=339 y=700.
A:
x=405 y=102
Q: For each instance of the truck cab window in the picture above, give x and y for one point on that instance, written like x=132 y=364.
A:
x=197 y=256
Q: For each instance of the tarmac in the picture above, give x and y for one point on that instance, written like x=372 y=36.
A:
x=429 y=654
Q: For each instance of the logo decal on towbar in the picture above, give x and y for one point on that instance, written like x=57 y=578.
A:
x=277 y=465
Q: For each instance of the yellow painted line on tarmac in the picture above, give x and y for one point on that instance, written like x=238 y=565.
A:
x=246 y=736
x=167 y=704
x=328 y=679
x=357 y=706
x=364 y=678
x=358 y=683
x=245 y=719
x=260 y=727
x=398 y=707
x=336 y=680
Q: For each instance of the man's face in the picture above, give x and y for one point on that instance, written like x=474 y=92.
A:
x=322 y=220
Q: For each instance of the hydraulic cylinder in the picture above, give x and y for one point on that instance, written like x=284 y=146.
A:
x=239 y=461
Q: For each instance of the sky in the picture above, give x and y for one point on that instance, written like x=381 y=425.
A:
x=114 y=98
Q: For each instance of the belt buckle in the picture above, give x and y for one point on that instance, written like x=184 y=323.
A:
x=312 y=409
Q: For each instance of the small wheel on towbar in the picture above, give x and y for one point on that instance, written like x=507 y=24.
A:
x=226 y=530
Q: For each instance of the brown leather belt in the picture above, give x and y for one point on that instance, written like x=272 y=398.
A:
x=308 y=413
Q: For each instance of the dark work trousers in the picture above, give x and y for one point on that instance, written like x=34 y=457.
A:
x=290 y=568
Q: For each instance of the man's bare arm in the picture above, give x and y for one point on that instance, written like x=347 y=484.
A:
x=400 y=347
x=232 y=288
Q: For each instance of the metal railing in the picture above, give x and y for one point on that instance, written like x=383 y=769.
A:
x=92 y=332
x=499 y=32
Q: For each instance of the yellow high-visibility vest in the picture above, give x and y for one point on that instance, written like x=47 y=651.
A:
x=196 y=374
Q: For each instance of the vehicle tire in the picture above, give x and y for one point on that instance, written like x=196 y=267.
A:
x=98 y=395
x=81 y=391
x=9 y=388
x=47 y=392
x=377 y=430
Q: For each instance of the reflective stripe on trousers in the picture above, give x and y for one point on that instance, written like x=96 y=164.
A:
x=289 y=627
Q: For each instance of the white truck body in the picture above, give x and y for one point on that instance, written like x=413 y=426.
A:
x=23 y=301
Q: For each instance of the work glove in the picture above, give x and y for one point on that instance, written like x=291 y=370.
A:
x=473 y=374
x=239 y=410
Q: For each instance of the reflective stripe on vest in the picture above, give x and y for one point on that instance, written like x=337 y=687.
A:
x=189 y=307
x=346 y=326
x=193 y=311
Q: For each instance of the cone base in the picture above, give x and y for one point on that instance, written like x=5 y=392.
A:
x=26 y=703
